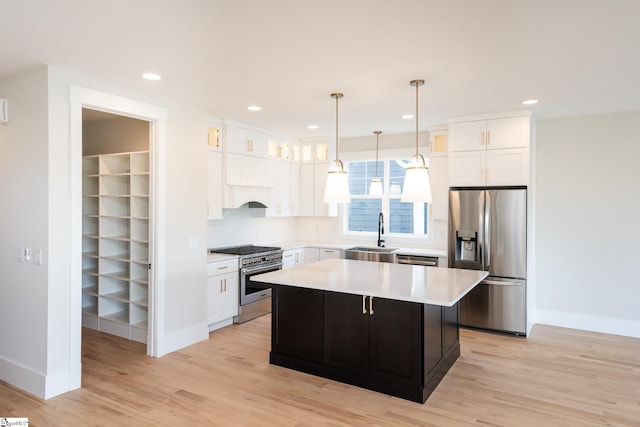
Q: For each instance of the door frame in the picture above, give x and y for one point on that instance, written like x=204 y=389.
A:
x=157 y=117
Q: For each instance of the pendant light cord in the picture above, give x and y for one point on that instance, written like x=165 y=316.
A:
x=377 y=132
x=337 y=96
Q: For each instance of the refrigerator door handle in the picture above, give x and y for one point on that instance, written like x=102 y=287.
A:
x=481 y=235
x=501 y=283
x=487 y=232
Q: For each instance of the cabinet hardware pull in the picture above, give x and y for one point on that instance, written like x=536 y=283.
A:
x=223 y=267
x=225 y=285
x=482 y=141
x=220 y=286
x=364 y=304
x=488 y=137
x=370 y=305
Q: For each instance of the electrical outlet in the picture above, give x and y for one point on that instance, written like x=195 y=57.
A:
x=37 y=256
x=19 y=254
x=26 y=254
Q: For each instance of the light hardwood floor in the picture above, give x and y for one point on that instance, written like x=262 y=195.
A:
x=555 y=377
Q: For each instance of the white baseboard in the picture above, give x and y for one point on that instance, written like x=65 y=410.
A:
x=22 y=377
x=607 y=325
x=35 y=383
x=183 y=338
x=220 y=324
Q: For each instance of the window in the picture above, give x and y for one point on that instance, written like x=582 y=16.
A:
x=402 y=219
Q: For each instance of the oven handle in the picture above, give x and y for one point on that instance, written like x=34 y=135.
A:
x=260 y=268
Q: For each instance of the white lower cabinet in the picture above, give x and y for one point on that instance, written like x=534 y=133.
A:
x=292 y=258
x=222 y=291
x=330 y=253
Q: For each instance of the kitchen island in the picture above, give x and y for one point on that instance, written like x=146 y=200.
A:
x=386 y=327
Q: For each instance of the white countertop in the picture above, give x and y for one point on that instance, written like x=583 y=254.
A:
x=426 y=285
x=219 y=257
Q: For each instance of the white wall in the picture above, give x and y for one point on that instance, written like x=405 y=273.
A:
x=249 y=226
x=24 y=171
x=588 y=201
x=35 y=156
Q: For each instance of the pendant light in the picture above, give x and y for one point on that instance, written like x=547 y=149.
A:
x=375 y=189
x=417 y=187
x=337 y=187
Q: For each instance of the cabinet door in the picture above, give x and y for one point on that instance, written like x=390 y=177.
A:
x=228 y=303
x=466 y=136
x=511 y=132
x=288 y=259
x=327 y=253
x=346 y=336
x=214 y=288
x=467 y=168
x=395 y=341
x=439 y=178
x=297 y=323
x=295 y=189
x=222 y=296
x=280 y=179
x=306 y=190
x=214 y=185
x=438 y=143
x=311 y=255
x=244 y=141
x=508 y=166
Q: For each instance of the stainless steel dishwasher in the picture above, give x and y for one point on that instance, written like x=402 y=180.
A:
x=427 y=261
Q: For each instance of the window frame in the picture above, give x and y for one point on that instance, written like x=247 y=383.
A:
x=385 y=156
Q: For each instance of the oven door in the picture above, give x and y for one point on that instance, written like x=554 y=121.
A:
x=250 y=290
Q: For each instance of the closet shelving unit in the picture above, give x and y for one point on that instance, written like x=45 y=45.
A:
x=115 y=243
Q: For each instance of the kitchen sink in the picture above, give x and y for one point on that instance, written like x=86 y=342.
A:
x=371 y=253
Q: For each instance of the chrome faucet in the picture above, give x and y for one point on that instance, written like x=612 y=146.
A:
x=380 y=230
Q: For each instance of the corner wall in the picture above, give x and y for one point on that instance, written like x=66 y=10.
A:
x=24 y=222
x=587 y=230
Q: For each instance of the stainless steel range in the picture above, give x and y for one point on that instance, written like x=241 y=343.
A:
x=255 y=297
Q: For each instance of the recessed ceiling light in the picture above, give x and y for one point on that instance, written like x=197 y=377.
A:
x=407 y=116
x=312 y=127
x=530 y=102
x=151 y=76
x=254 y=108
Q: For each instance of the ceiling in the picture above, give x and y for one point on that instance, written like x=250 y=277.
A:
x=578 y=57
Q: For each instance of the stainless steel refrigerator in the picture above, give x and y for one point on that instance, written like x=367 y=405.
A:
x=488 y=231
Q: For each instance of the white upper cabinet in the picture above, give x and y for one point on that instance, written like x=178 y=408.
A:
x=510 y=132
x=214 y=185
x=489 y=152
x=439 y=178
x=438 y=144
x=245 y=141
x=280 y=176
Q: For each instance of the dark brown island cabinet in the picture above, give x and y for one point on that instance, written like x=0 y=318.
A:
x=400 y=348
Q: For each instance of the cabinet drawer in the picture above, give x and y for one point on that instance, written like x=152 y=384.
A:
x=222 y=267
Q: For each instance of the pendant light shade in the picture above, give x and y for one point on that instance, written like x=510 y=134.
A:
x=417 y=187
x=336 y=189
x=375 y=189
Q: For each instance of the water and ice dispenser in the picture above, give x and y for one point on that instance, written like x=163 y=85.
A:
x=466 y=245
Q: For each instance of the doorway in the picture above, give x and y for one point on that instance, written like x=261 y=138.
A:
x=155 y=118
x=115 y=224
